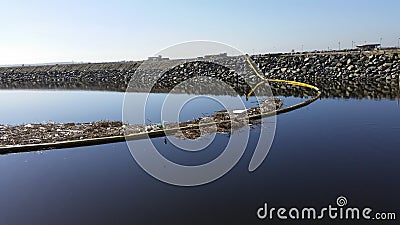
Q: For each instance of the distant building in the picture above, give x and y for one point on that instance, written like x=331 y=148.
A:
x=368 y=47
x=157 y=58
x=216 y=56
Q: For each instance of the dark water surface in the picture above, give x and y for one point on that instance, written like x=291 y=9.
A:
x=331 y=148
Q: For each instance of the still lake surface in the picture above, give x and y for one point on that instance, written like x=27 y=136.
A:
x=331 y=148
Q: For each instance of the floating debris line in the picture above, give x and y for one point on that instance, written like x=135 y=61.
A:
x=223 y=121
x=56 y=132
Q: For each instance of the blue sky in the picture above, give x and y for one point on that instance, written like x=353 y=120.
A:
x=56 y=31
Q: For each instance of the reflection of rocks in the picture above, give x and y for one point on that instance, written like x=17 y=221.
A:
x=341 y=89
x=348 y=75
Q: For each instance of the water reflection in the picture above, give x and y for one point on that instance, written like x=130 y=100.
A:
x=329 y=88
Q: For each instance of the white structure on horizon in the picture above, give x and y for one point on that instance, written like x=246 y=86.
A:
x=216 y=56
x=157 y=58
x=368 y=47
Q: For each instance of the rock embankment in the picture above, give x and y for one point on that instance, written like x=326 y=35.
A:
x=194 y=76
x=89 y=76
x=351 y=66
x=348 y=75
x=344 y=75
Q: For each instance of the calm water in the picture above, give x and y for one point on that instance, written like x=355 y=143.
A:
x=38 y=106
x=330 y=148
